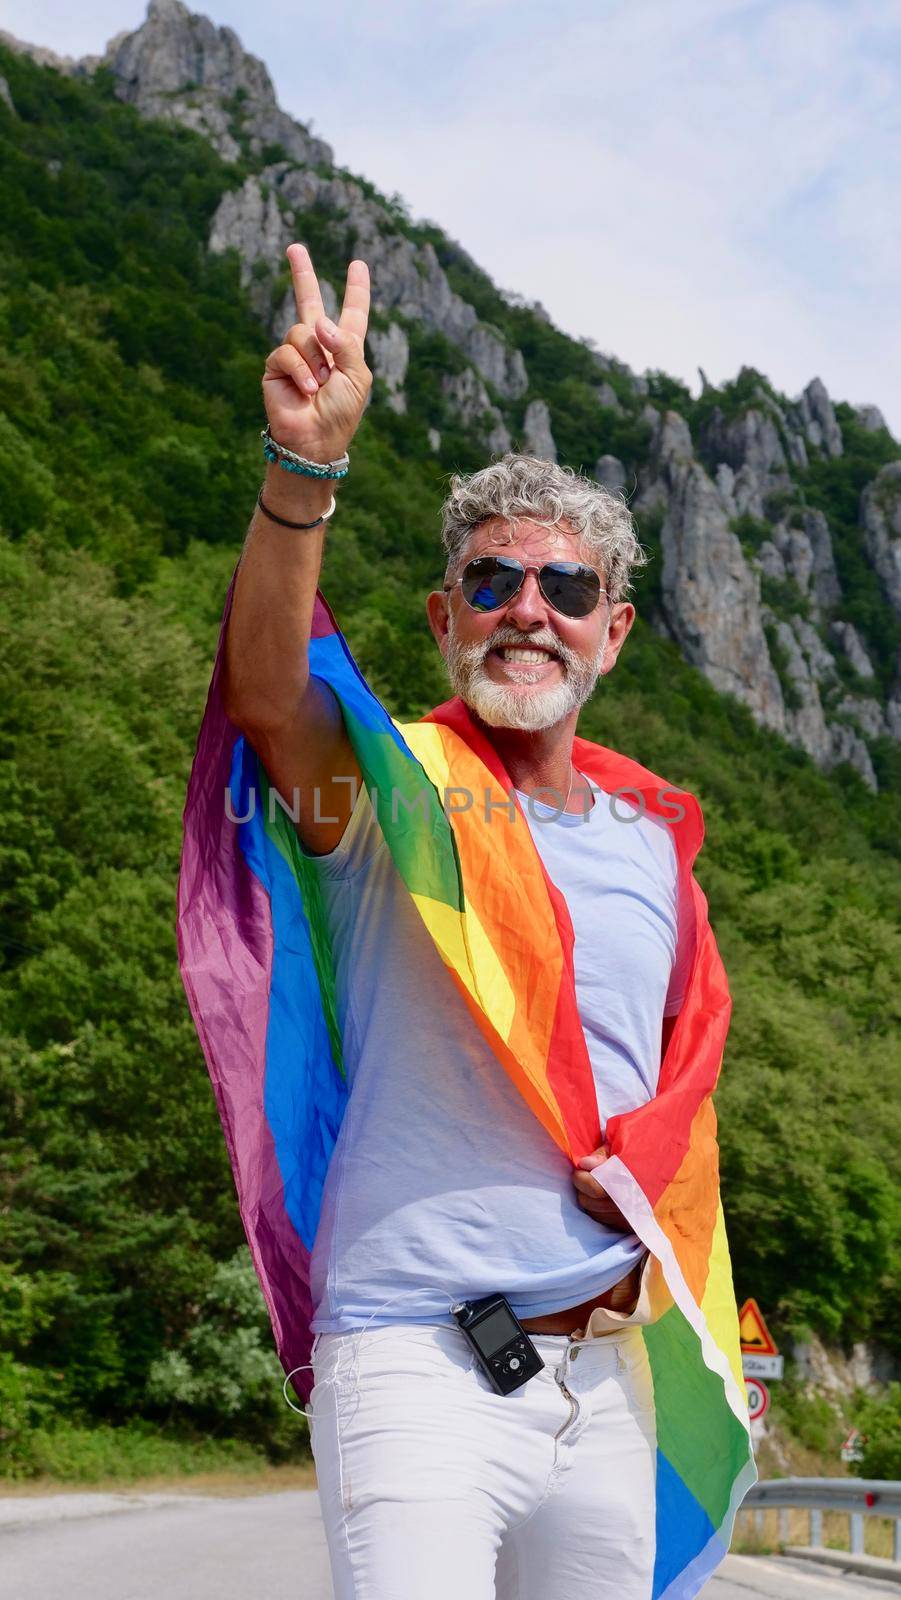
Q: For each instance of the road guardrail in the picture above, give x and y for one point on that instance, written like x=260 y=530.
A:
x=858 y=1497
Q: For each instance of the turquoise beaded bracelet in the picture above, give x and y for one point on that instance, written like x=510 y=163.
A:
x=289 y=461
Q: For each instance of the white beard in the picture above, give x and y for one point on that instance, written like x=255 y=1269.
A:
x=500 y=705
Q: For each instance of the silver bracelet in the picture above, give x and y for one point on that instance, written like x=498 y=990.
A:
x=292 y=462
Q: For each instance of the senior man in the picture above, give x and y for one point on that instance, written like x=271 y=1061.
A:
x=443 y=1187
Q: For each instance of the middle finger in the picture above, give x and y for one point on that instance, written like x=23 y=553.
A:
x=588 y=1185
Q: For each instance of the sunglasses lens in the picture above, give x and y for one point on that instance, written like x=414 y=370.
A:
x=571 y=589
x=490 y=581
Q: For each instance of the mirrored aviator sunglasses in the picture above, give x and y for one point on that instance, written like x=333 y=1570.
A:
x=489 y=582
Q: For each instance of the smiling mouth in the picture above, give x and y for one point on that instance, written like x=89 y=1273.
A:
x=524 y=655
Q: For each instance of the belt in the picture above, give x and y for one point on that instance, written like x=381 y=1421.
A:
x=623 y=1297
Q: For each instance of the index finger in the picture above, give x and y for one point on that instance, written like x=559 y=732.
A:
x=354 y=316
x=307 y=294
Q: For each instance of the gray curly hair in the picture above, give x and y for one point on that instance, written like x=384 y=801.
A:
x=525 y=486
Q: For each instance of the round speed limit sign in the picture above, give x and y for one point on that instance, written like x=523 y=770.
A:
x=758 y=1398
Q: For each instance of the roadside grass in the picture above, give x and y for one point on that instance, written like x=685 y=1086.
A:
x=139 y=1456
x=221 y=1485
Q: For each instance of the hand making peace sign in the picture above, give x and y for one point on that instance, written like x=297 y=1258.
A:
x=315 y=384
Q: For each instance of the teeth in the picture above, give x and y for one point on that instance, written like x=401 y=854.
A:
x=532 y=657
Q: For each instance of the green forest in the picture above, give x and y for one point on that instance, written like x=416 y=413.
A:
x=130 y=412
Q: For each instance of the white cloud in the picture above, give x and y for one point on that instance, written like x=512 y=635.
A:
x=711 y=182
x=705 y=183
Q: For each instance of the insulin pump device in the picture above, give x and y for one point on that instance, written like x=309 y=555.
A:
x=504 y=1350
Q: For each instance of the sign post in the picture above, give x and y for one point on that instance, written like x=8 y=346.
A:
x=758 y=1399
x=759 y=1359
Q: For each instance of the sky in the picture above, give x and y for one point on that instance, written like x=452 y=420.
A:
x=687 y=182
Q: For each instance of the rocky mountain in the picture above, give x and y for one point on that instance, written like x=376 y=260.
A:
x=776 y=522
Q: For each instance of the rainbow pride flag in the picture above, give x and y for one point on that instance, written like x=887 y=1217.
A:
x=258 y=973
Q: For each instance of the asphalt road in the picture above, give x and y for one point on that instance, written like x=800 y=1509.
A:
x=181 y=1547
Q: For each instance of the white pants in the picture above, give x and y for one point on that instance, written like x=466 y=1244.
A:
x=433 y=1487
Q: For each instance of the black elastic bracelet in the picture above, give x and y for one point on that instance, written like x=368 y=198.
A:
x=283 y=521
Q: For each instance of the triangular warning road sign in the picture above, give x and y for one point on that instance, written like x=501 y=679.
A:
x=755 y=1336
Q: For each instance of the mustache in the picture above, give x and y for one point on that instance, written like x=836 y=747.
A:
x=514 y=638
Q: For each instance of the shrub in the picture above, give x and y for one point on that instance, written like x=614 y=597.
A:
x=223 y=1374
x=879 y=1420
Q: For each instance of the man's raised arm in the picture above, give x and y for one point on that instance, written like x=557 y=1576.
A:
x=314 y=389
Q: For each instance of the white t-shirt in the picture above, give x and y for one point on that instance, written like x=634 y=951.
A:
x=443 y=1184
